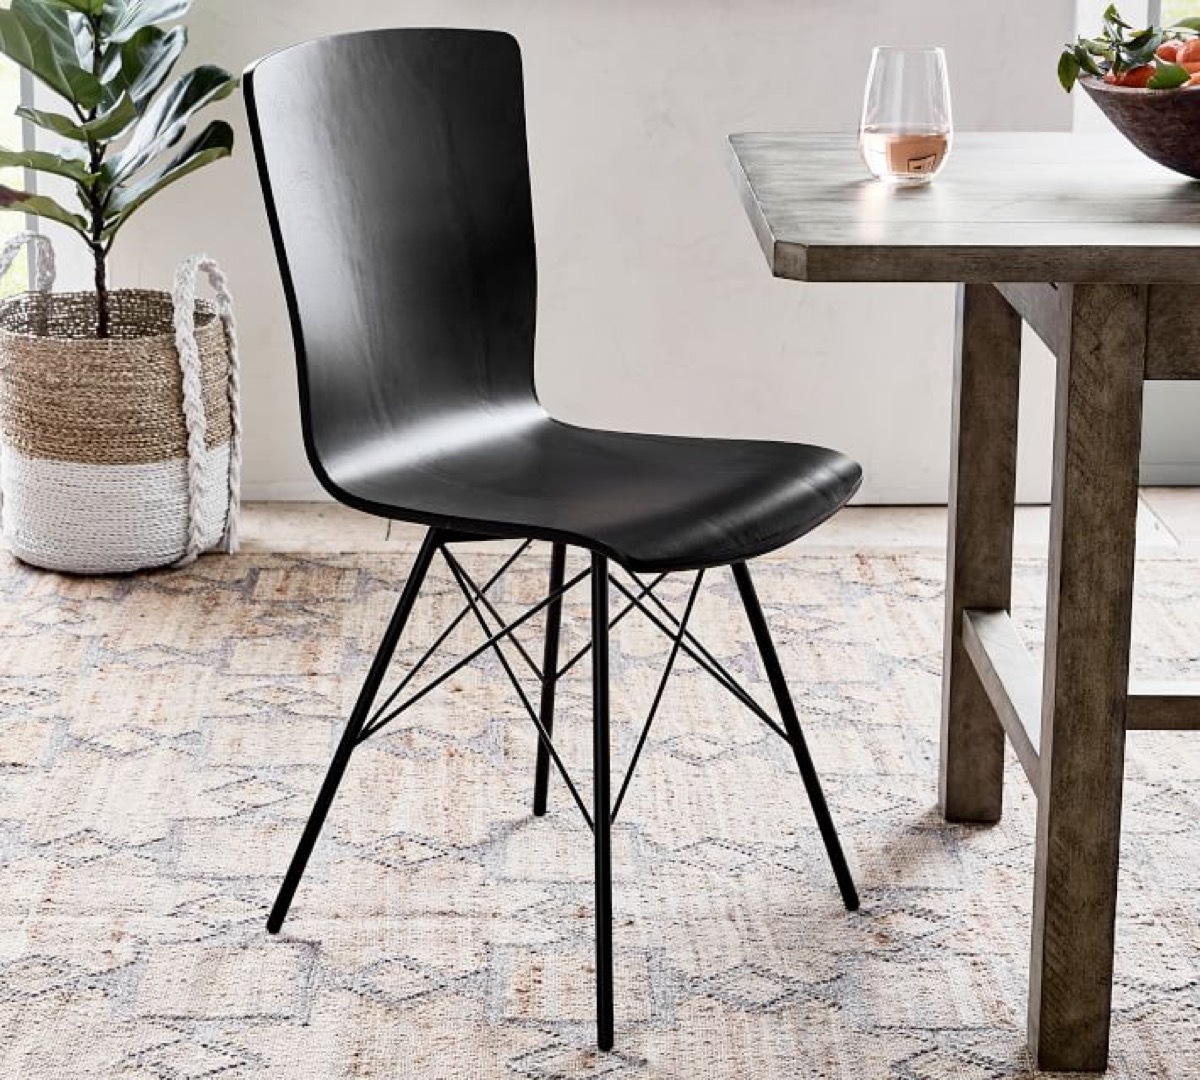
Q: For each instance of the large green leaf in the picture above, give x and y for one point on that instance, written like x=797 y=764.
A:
x=1068 y=69
x=1143 y=38
x=84 y=7
x=164 y=123
x=143 y=63
x=106 y=127
x=124 y=18
x=63 y=126
x=41 y=206
x=1113 y=19
x=1168 y=76
x=67 y=30
x=212 y=144
x=32 y=36
x=1084 y=57
x=1142 y=48
x=40 y=161
x=81 y=33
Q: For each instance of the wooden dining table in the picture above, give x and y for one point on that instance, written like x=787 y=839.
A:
x=1098 y=250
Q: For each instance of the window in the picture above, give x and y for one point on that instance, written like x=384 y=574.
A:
x=11 y=136
x=1174 y=10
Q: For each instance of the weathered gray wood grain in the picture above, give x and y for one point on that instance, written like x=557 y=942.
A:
x=987 y=373
x=1046 y=307
x=1163 y=706
x=1172 y=329
x=1173 y=345
x=1007 y=208
x=1010 y=678
x=1097 y=436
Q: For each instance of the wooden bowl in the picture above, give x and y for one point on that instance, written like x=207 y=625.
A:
x=1163 y=124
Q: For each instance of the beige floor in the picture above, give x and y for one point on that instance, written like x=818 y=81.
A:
x=162 y=736
x=1168 y=524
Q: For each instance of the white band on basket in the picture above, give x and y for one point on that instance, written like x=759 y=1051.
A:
x=183 y=296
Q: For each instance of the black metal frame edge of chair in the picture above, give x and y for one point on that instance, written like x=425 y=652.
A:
x=601 y=819
x=776 y=492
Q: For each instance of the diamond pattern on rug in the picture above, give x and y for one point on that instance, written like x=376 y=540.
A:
x=265 y=980
x=162 y=737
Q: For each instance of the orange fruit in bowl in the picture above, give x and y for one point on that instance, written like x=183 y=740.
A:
x=1169 y=50
x=1189 y=53
x=1136 y=77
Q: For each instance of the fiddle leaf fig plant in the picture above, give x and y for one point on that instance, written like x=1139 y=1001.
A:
x=125 y=118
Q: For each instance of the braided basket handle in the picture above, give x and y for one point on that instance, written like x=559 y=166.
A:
x=183 y=296
x=44 y=262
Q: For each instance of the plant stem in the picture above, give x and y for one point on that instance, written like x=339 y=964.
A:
x=102 y=303
x=99 y=253
x=96 y=201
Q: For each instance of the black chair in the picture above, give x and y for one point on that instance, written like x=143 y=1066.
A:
x=395 y=173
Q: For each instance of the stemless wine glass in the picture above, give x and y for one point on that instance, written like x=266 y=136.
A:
x=906 y=131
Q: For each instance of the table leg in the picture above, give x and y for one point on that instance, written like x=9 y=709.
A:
x=1097 y=441
x=987 y=374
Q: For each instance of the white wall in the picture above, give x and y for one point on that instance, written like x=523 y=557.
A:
x=657 y=309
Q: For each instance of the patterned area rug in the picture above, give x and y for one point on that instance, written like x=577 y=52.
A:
x=162 y=736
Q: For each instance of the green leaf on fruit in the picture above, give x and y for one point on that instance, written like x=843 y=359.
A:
x=1085 y=61
x=1111 y=16
x=1168 y=76
x=1068 y=70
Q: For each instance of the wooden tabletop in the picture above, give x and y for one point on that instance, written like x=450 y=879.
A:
x=1006 y=207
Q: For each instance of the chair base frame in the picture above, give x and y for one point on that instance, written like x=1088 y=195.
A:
x=367 y=718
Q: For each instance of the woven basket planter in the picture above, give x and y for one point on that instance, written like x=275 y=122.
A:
x=118 y=454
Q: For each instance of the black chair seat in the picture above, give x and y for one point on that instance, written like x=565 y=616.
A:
x=651 y=502
x=396 y=176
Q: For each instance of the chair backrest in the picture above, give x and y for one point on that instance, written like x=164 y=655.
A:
x=396 y=175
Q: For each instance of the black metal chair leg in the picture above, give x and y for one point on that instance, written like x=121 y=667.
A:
x=791 y=724
x=358 y=718
x=602 y=806
x=541 y=779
